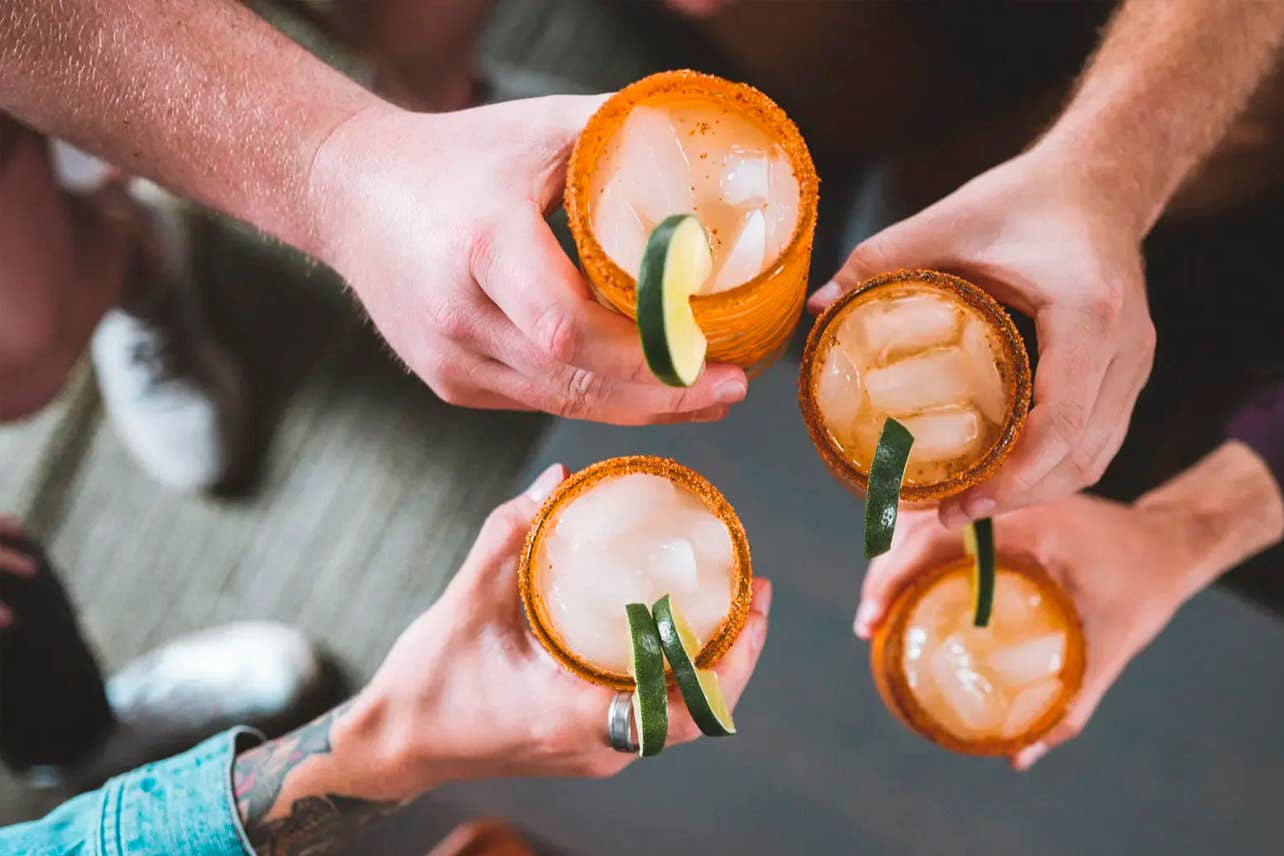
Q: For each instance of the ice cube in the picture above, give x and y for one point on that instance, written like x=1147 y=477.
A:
x=1016 y=600
x=890 y=328
x=942 y=435
x=744 y=180
x=673 y=566
x=1030 y=704
x=971 y=697
x=934 y=379
x=782 y=206
x=838 y=390
x=706 y=606
x=653 y=169
x=745 y=259
x=1029 y=661
x=712 y=541
x=615 y=506
x=988 y=390
x=618 y=228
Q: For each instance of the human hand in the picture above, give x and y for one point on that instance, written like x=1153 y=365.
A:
x=466 y=692
x=437 y=222
x=1125 y=567
x=1060 y=249
x=474 y=694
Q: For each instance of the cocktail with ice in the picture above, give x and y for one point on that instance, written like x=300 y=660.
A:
x=630 y=530
x=931 y=350
x=980 y=690
x=682 y=142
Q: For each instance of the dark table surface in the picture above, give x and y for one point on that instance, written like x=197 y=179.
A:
x=1185 y=756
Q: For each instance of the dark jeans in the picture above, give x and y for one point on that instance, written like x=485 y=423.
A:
x=53 y=709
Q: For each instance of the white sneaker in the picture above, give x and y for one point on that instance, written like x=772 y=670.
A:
x=175 y=397
x=260 y=674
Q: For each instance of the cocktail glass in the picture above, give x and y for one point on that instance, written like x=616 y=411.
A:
x=933 y=351
x=685 y=142
x=631 y=530
x=980 y=690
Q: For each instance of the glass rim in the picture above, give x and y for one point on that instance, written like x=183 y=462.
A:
x=584 y=480
x=1013 y=348
x=888 y=667
x=749 y=102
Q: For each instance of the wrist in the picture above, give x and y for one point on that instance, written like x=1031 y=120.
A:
x=380 y=731
x=1097 y=180
x=341 y=178
x=1224 y=510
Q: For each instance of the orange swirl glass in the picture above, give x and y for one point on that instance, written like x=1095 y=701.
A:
x=750 y=324
x=532 y=562
x=1013 y=366
x=887 y=654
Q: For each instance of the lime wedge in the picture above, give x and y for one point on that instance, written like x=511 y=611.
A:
x=884 y=493
x=676 y=262
x=651 y=699
x=699 y=687
x=978 y=540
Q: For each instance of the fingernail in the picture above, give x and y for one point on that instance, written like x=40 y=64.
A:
x=866 y=617
x=730 y=391
x=827 y=293
x=759 y=634
x=545 y=484
x=979 y=507
x=1026 y=758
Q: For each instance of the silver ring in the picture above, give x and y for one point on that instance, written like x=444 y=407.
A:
x=619 y=718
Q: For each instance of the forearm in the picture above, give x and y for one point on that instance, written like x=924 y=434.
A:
x=202 y=96
x=1166 y=83
x=324 y=781
x=1228 y=507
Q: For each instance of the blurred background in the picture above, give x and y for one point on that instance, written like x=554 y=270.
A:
x=367 y=491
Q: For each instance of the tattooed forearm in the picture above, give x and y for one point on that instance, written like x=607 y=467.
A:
x=313 y=823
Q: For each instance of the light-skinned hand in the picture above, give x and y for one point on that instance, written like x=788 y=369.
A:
x=1051 y=245
x=468 y=692
x=1124 y=567
x=437 y=221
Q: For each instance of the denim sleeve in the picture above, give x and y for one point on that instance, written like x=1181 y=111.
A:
x=182 y=806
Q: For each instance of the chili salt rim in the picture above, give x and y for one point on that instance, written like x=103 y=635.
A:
x=842 y=466
x=584 y=480
x=753 y=103
x=887 y=664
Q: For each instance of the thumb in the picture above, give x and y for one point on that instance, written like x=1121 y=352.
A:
x=492 y=561
x=556 y=121
x=911 y=243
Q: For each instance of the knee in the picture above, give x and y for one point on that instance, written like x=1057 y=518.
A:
x=35 y=280
x=33 y=356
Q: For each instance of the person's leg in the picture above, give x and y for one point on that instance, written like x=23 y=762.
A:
x=53 y=709
x=92 y=255
x=65 y=263
x=62 y=725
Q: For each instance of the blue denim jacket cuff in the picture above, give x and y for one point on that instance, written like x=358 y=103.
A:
x=182 y=806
